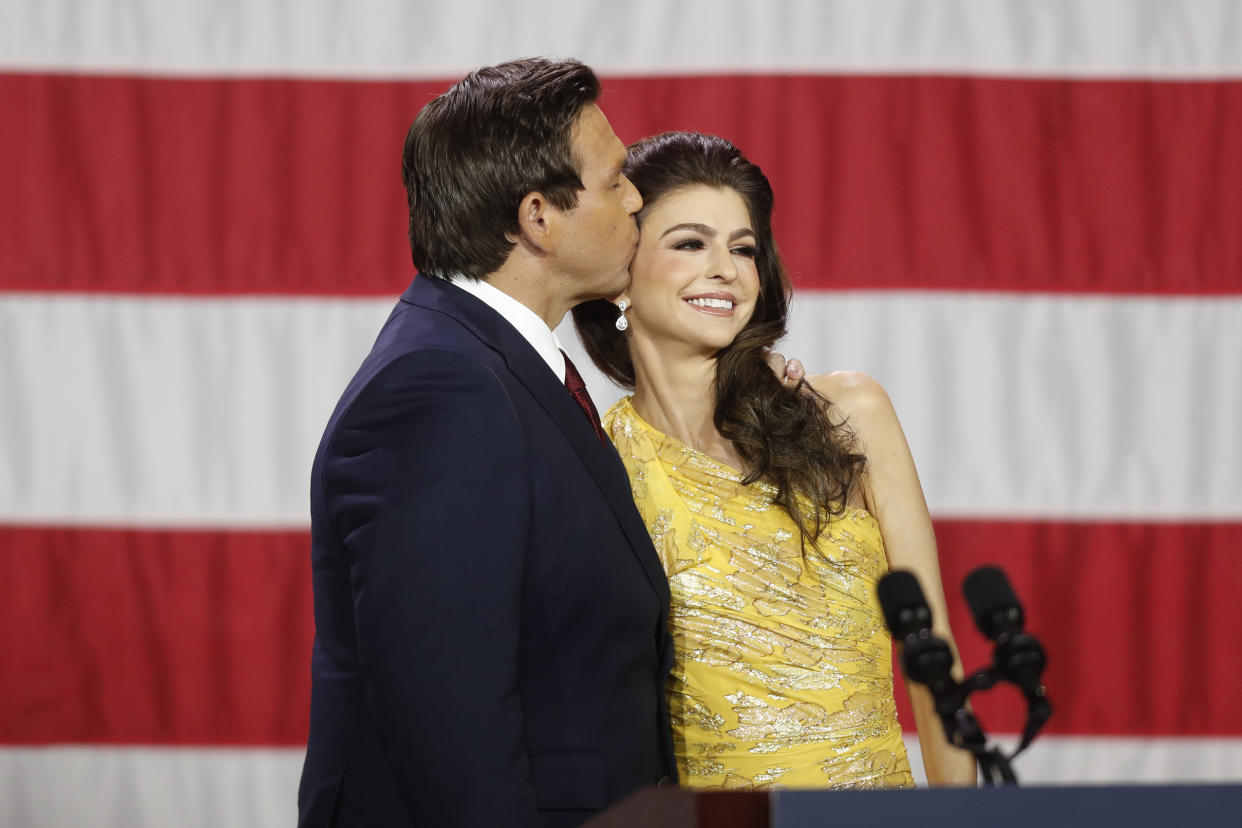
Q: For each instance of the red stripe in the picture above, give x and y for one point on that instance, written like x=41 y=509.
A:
x=293 y=186
x=179 y=637
x=1139 y=622
x=154 y=637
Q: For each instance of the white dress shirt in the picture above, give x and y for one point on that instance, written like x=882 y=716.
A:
x=527 y=323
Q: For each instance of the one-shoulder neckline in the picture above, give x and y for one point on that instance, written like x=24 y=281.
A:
x=628 y=402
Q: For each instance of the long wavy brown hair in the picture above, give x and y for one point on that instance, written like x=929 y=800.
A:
x=785 y=436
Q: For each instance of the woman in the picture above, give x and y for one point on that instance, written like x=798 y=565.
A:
x=772 y=508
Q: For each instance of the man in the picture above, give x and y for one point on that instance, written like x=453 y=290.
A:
x=490 y=640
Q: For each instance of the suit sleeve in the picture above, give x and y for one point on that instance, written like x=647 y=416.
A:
x=427 y=482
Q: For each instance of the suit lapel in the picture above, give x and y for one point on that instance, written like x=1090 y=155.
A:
x=600 y=459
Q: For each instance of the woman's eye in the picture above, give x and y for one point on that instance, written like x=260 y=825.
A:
x=689 y=244
x=746 y=250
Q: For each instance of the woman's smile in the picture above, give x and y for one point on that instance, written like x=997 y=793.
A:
x=712 y=304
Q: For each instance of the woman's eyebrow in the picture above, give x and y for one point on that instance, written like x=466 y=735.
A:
x=698 y=228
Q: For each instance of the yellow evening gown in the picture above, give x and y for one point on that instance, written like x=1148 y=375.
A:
x=783 y=675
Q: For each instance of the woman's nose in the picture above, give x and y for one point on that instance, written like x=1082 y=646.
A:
x=723 y=266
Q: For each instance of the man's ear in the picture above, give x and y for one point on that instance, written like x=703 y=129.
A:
x=538 y=223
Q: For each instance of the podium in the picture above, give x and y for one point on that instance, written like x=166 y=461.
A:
x=1132 y=806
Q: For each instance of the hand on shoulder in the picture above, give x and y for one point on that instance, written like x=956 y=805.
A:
x=789 y=371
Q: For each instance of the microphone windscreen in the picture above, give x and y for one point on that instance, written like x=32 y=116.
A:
x=905 y=609
x=992 y=601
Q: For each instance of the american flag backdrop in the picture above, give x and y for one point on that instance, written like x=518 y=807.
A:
x=1024 y=218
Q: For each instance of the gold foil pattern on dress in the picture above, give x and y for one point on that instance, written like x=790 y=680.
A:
x=783 y=673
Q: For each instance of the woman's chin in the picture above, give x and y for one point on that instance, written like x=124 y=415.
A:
x=678 y=339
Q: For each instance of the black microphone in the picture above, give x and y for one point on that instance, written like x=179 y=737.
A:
x=1018 y=658
x=992 y=602
x=925 y=658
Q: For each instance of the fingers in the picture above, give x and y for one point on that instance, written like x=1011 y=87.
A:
x=776 y=362
x=794 y=372
x=790 y=372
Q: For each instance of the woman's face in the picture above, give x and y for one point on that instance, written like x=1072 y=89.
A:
x=693 y=280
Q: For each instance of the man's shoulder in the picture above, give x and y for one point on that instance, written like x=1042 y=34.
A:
x=416 y=398
x=413 y=326
x=416 y=338
x=425 y=371
x=421 y=359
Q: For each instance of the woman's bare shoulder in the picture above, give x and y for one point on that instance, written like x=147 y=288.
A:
x=856 y=395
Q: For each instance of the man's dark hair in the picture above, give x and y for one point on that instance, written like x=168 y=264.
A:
x=474 y=153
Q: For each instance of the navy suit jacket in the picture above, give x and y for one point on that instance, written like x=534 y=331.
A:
x=490 y=637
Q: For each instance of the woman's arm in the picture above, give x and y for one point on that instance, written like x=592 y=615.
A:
x=893 y=494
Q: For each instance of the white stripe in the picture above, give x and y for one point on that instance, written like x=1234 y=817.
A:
x=207 y=788
x=1051 y=406
x=188 y=412
x=395 y=38
x=158 y=411
x=1099 y=760
x=157 y=787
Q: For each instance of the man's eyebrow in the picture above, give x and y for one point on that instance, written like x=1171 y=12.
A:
x=695 y=226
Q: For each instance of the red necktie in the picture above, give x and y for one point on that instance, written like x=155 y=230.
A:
x=573 y=381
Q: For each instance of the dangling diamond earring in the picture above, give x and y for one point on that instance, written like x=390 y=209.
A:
x=622 y=322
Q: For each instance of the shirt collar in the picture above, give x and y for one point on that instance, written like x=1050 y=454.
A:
x=527 y=323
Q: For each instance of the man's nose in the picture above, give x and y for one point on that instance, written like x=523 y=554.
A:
x=633 y=199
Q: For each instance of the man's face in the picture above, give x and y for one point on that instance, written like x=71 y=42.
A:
x=599 y=234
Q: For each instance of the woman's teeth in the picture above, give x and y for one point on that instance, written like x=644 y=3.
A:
x=724 y=304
